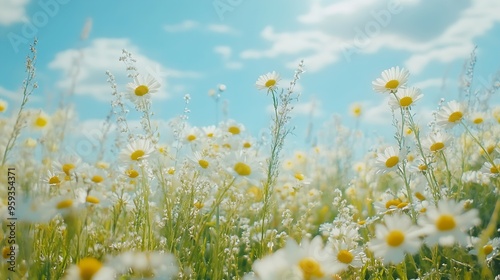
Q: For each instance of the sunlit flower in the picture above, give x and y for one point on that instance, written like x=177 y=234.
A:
x=490 y=169
x=389 y=159
x=40 y=121
x=346 y=256
x=141 y=88
x=436 y=142
x=136 y=151
x=143 y=265
x=477 y=118
x=391 y=80
x=3 y=106
x=356 y=110
x=241 y=165
x=89 y=269
x=268 y=81
x=395 y=239
x=447 y=223
x=450 y=115
x=405 y=98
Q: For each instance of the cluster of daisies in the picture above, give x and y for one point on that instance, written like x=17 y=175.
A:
x=194 y=206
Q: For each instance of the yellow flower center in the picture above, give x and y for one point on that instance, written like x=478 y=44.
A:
x=6 y=252
x=299 y=176
x=494 y=169
x=92 y=199
x=420 y=196
x=67 y=168
x=88 y=268
x=405 y=101
x=54 y=180
x=97 y=179
x=131 y=173
x=402 y=205
x=392 y=202
x=345 y=256
x=455 y=116
x=242 y=169
x=234 y=130
x=487 y=249
x=3 y=106
x=392 y=161
x=64 y=204
x=210 y=135
x=478 y=120
x=422 y=167
x=247 y=145
x=136 y=155
x=198 y=205
x=437 y=146
x=191 y=137
x=445 y=222
x=311 y=268
x=392 y=84
x=141 y=90
x=270 y=83
x=203 y=163
x=256 y=192
x=395 y=238
x=41 y=122
x=356 y=111
x=171 y=171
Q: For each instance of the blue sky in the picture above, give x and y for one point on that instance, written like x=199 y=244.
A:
x=192 y=46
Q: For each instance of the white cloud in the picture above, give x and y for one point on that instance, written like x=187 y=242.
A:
x=181 y=27
x=13 y=11
x=419 y=28
x=220 y=28
x=430 y=83
x=226 y=53
x=102 y=55
x=377 y=114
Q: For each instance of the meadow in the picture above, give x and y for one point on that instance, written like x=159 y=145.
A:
x=187 y=202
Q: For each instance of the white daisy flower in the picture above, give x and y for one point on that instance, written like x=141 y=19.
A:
x=395 y=239
x=346 y=256
x=241 y=165
x=3 y=106
x=89 y=269
x=450 y=115
x=391 y=80
x=389 y=159
x=141 y=88
x=436 y=142
x=490 y=169
x=136 y=151
x=446 y=223
x=405 y=98
x=268 y=81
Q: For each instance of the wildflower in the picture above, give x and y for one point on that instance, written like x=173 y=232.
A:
x=394 y=239
x=346 y=256
x=141 y=88
x=307 y=261
x=477 y=118
x=446 y=223
x=3 y=106
x=144 y=264
x=203 y=163
x=450 y=115
x=241 y=165
x=136 y=151
x=388 y=160
x=268 y=81
x=391 y=80
x=89 y=269
x=490 y=250
x=356 y=110
x=490 y=169
x=405 y=98
x=40 y=121
x=436 y=142
x=69 y=164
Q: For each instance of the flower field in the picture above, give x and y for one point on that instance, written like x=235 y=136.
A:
x=186 y=202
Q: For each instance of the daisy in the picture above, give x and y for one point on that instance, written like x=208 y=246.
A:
x=389 y=159
x=203 y=163
x=395 y=239
x=141 y=88
x=477 y=118
x=490 y=169
x=391 y=80
x=436 y=142
x=405 y=98
x=89 y=269
x=356 y=110
x=268 y=81
x=445 y=223
x=40 y=121
x=3 y=106
x=450 y=115
x=144 y=264
x=240 y=165
x=310 y=260
x=346 y=256
x=68 y=164
x=136 y=151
